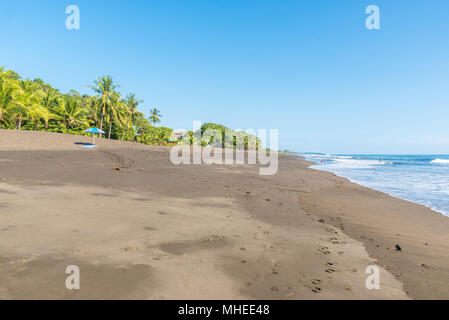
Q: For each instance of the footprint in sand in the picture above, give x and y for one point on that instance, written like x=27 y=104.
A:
x=17 y=271
x=316 y=289
x=130 y=249
x=324 y=250
x=20 y=261
x=336 y=241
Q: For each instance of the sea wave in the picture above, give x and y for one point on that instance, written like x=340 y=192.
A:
x=358 y=163
x=418 y=178
x=440 y=161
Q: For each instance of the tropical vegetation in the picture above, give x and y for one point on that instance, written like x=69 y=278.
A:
x=35 y=105
x=219 y=136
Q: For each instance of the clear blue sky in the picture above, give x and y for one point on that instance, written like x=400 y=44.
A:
x=308 y=68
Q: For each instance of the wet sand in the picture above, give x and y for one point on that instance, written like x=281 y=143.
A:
x=153 y=230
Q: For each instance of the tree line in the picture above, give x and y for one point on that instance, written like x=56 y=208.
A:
x=35 y=105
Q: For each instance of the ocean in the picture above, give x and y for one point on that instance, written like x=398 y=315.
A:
x=422 y=179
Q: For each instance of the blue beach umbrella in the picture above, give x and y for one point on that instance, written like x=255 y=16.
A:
x=94 y=131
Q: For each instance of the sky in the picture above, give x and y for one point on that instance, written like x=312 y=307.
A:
x=310 y=68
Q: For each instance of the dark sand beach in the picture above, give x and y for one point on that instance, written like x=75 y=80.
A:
x=140 y=227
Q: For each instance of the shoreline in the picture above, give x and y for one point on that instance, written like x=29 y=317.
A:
x=314 y=166
x=386 y=193
x=301 y=234
x=374 y=236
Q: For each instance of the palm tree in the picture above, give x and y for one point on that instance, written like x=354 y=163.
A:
x=131 y=102
x=92 y=107
x=72 y=112
x=7 y=74
x=28 y=102
x=124 y=115
x=7 y=91
x=35 y=114
x=47 y=115
x=108 y=98
x=162 y=135
x=155 y=116
x=113 y=115
x=52 y=99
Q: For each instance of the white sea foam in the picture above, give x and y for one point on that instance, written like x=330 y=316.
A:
x=356 y=163
x=440 y=161
x=315 y=156
x=420 y=179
